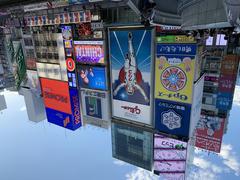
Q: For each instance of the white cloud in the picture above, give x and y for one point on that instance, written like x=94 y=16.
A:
x=230 y=159
x=236 y=98
x=23 y=108
x=204 y=164
x=202 y=174
x=119 y=163
x=141 y=174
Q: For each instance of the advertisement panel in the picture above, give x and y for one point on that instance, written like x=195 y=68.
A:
x=89 y=52
x=56 y=95
x=131 y=63
x=175 y=71
x=91 y=77
x=209 y=133
x=51 y=71
x=172 y=117
x=95 y=104
x=169 y=157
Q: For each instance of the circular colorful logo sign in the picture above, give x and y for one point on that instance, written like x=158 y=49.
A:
x=70 y=64
x=173 y=79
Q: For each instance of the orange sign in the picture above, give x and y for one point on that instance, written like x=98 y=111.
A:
x=56 y=95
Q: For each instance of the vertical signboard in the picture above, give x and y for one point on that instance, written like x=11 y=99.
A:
x=174 y=83
x=170 y=157
x=209 y=133
x=131 y=63
x=175 y=69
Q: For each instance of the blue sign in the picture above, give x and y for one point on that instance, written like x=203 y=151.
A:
x=92 y=77
x=72 y=80
x=69 y=121
x=224 y=101
x=172 y=117
x=75 y=106
x=183 y=49
x=61 y=119
x=77 y=1
x=131 y=59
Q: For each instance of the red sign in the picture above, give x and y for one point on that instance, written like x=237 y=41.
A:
x=209 y=133
x=70 y=64
x=56 y=95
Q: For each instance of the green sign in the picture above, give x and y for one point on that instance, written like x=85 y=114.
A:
x=175 y=39
x=21 y=67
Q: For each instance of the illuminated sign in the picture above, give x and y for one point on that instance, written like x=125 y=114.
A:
x=131 y=63
x=56 y=95
x=89 y=52
x=72 y=82
x=92 y=77
x=70 y=64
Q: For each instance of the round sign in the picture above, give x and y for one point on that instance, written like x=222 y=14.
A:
x=70 y=64
x=173 y=79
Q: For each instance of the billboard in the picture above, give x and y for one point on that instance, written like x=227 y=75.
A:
x=95 y=104
x=131 y=63
x=56 y=95
x=172 y=117
x=89 y=52
x=209 y=133
x=175 y=71
x=170 y=157
x=91 y=77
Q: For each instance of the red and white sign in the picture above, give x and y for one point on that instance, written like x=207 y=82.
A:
x=56 y=95
x=209 y=133
x=70 y=64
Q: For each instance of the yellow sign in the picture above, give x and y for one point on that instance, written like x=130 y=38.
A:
x=174 y=78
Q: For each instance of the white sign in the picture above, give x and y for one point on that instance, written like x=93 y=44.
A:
x=132 y=111
x=51 y=71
